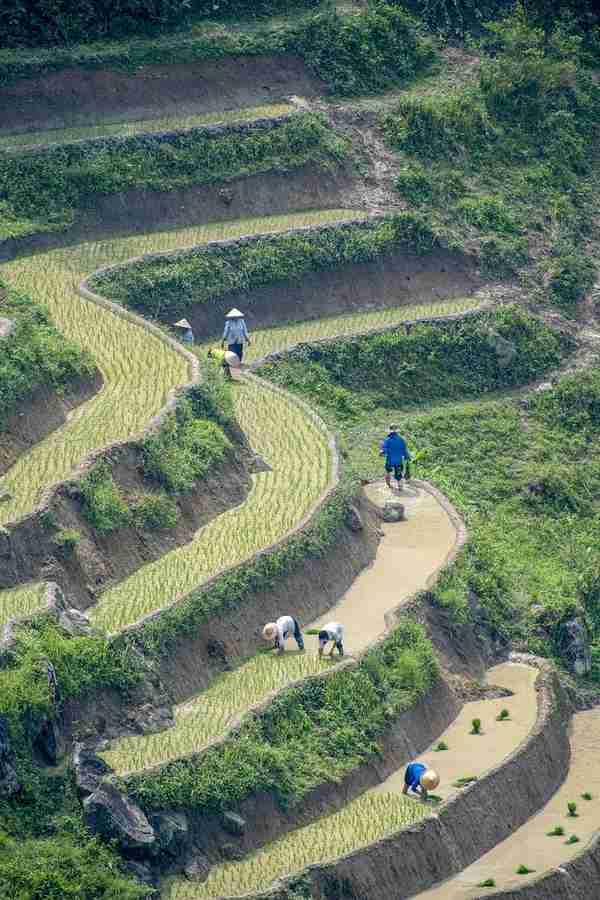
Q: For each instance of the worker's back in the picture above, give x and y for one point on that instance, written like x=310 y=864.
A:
x=395 y=448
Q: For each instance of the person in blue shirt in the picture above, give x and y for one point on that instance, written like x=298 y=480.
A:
x=419 y=779
x=235 y=334
x=397 y=457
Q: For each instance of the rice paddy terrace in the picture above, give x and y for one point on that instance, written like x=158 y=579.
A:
x=362 y=837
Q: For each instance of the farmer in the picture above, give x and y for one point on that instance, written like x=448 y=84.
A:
x=397 y=457
x=333 y=632
x=235 y=334
x=419 y=779
x=227 y=359
x=188 y=335
x=281 y=630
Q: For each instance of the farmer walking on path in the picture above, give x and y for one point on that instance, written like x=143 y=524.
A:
x=397 y=457
x=333 y=632
x=281 y=630
x=235 y=334
x=419 y=779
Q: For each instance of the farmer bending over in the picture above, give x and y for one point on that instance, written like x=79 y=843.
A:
x=333 y=632
x=235 y=334
x=281 y=630
x=227 y=359
x=419 y=779
x=397 y=457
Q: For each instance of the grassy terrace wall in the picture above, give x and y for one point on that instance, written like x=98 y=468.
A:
x=43 y=188
x=205 y=275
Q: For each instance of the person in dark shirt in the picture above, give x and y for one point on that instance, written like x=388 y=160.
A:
x=397 y=457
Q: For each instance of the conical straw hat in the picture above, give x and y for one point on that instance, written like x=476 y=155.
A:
x=269 y=631
x=430 y=780
x=234 y=314
x=183 y=323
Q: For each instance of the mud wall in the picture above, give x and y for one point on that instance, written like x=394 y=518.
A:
x=469 y=825
x=86 y=96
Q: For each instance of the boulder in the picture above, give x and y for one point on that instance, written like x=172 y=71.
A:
x=171 y=831
x=392 y=511
x=9 y=783
x=48 y=741
x=116 y=817
x=574 y=646
x=354 y=519
x=198 y=869
x=89 y=769
x=150 y=719
x=233 y=823
x=6 y=326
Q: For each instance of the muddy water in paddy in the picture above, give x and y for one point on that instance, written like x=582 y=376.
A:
x=530 y=845
x=408 y=556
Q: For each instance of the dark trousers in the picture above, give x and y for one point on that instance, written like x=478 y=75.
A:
x=298 y=636
x=238 y=349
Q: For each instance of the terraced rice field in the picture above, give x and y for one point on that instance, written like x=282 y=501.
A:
x=361 y=822
x=383 y=810
x=26 y=599
x=407 y=556
x=141 y=126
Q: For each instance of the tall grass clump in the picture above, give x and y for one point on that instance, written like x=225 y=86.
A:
x=104 y=506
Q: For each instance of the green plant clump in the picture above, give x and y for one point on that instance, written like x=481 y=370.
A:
x=34 y=353
x=165 y=285
x=586 y=796
x=573 y=839
x=488 y=882
x=156 y=512
x=572 y=809
x=311 y=733
x=476 y=726
x=503 y=716
x=66 y=539
x=558 y=831
x=524 y=870
x=464 y=780
x=441 y=745
x=104 y=506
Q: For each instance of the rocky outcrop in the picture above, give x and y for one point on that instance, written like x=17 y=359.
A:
x=89 y=769
x=574 y=646
x=171 y=830
x=391 y=511
x=111 y=814
x=9 y=783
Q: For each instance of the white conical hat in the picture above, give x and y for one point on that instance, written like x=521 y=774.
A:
x=269 y=631
x=183 y=323
x=429 y=780
x=234 y=314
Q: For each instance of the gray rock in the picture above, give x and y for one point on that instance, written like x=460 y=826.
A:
x=198 y=869
x=392 y=511
x=231 y=852
x=116 y=817
x=143 y=873
x=89 y=769
x=149 y=719
x=171 y=831
x=73 y=621
x=233 y=823
x=574 y=647
x=353 y=519
x=9 y=783
x=6 y=326
x=48 y=741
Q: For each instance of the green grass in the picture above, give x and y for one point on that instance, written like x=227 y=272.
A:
x=173 y=122
x=363 y=821
x=20 y=601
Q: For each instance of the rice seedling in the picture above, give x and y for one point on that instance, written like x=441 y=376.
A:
x=442 y=745
x=138 y=368
x=504 y=716
x=524 y=870
x=572 y=840
x=20 y=601
x=148 y=126
x=489 y=882
x=206 y=717
x=558 y=831
x=572 y=809
x=586 y=796
x=464 y=780
x=475 y=726
x=363 y=821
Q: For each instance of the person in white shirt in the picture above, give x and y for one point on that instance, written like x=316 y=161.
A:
x=333 y=632
x=281 y=630
x=235 y=334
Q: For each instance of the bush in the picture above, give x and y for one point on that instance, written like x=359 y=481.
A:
x=486 y=214
x=423 y=186
x=66 y=540
x=103 y=504
x=156 y=511
x=570 y=278
x=184 y=450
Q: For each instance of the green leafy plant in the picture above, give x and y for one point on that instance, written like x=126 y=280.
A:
x=524 y=870
x=571 y=276
x=558 y=831
x=572 y=809
x=156 y=511
x=487 y=883
x=586 y=796
x=66 y=540
x=441 y=745
x=464 y=780
x=475 y=726
x=104 y=506
x=503 y=716
x=573 y=839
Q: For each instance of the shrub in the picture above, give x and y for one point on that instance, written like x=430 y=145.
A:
x=156 y=511
x=573 y=404
x=570 y=278
x=503 y=255
x=572 y=809
x=66 y=540
x=103 y=504
x=503 y=716
x=423 y=186
x=486 y=213
x=475 y=726
x=184 y=450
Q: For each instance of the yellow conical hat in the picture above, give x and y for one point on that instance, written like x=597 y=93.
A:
x=269 y=631
x=429 y=780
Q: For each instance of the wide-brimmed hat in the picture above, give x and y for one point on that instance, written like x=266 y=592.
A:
x=429 y=780
x=269 y=631
x=183 y=323
x=234 y=314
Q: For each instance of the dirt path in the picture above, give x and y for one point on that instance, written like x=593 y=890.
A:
x=530 y=845
x=408 y=556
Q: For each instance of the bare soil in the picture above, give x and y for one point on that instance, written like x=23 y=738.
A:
x=39 y=414
x=73 y=97
x=394 y=280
